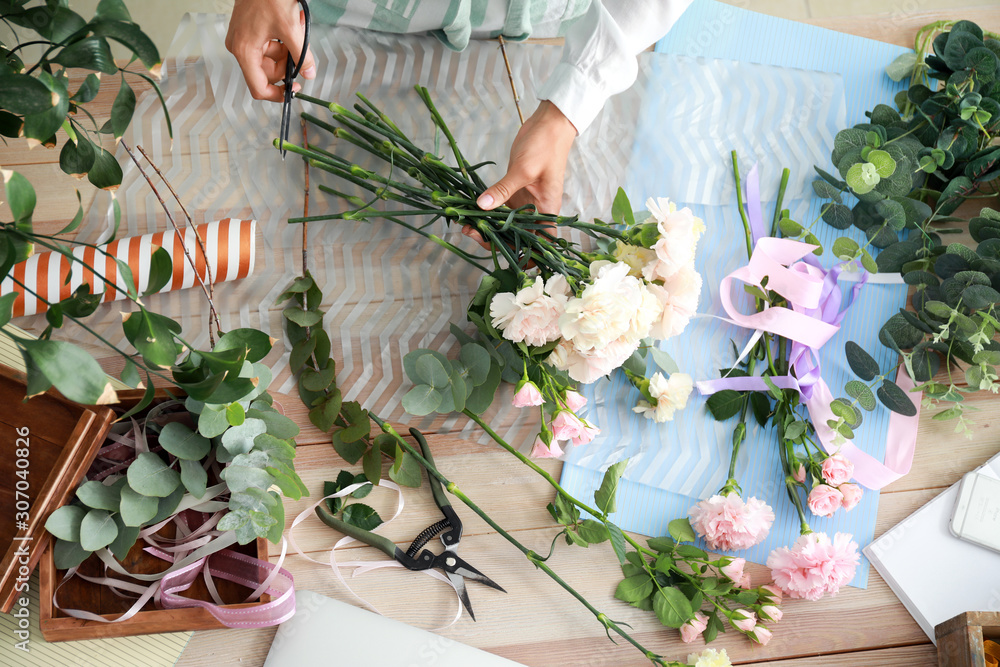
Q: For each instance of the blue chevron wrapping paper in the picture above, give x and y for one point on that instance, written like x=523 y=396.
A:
x=690 y=120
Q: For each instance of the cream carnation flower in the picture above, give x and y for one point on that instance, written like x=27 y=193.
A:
x=636 y=257
x=679 y=297
x=710 y=658
x=670 y=394
x=604 y=310
x=531 y=315
x=587 y=367
x=679 y=233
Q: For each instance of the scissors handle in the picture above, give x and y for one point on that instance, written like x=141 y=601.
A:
x=380 y=542
x=440 y=497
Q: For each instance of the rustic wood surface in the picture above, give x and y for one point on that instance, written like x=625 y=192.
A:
x=536 y=623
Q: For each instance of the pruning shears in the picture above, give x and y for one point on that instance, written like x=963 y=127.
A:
x=450 y=529
x=292 y=68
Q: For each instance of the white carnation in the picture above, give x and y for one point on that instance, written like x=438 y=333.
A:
x=530 y=316
x=670 y=395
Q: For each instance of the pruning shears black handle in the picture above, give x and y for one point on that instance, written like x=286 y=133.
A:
x=440 y=496
x=380 y=542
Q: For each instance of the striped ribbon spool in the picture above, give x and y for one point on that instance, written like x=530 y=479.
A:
x=230 y=246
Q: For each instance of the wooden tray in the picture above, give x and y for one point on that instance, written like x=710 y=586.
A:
x=960 y=639
x=80 y=594
x=61 y=440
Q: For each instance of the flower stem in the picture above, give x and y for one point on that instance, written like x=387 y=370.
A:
x=531 y=555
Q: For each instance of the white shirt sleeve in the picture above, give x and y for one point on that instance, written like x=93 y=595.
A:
x=599 y=59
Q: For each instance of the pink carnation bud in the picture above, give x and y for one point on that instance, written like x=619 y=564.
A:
x=761 y=635
x=567 y=426
x=800 y=474
x=575 y=401
x=824 y=500
x=815 y=565
x=773 y=592
x=527 y=395
x=693 y=628
x=771 y=612
x=852 y=495
x=837 y=470
x=542 y=451
x=744 y=620
x=735 y=570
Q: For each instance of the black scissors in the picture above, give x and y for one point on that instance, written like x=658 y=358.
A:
x=456 y=569
x=292 y=68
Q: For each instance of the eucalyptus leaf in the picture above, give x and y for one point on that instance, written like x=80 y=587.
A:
x=97 y=530
x=136 y=509
x=184 y=443
x=150 y=476
x=64 y=523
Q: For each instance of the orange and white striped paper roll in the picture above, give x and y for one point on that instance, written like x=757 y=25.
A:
x=230 y=246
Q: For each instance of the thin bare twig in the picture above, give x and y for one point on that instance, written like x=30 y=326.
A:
x=213 y=315
x=201 y=243
x=510 y=77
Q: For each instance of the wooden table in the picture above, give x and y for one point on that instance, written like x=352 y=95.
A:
x=537 y=623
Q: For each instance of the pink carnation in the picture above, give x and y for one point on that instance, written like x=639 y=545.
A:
x=824 y=500
x=527 y=395
x=542 y=451
x=852 y=495
x=575 y=401
x=837 y=470
x=736 y=573
x=727 y=523
x=693 y=628
x=744 y=620
x=762 y=635
x=773 y=592
x=815 y=565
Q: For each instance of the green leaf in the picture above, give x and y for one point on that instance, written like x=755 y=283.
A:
x=979 y=296
x=862 y=393
x=246 y=471
x=862 y=363
x=672 y=607
x=99 y=496
x=71 y=370
x=422 y=400
x=235 y=414
x=724 y=404
x=212 y=421
x=481 y=397
x=300 y=354
x=372 y=464
x=826 y=190
x=106 y=173
x=133 y=38
x=635 y=588
x=605 y=495
x=893 y=212
x=137 y=509
x=862 y=177
x=408 y=473
x=194 y=477
x=617 y=542
x=125 y=540
x=902 y=66
x=67 y=554
x=362 y=516
x=91 y=53
x=477 y=361
x=114 y=10
x=277 y=424
x=160 y=271
x=314 y=380
x=845 y=248
x=64 y=523
x=240 y=439
x=431 y=371
x=594 y=532
x=88 y=89
x=837 y=216
x=122 y=109
x=323 y=415
x=150 y=476
x=304 y=318
x=7 y=307
x=681 y=530
x=24 y=95
x=621 y=209
x=76 y=158
x=844 y=411
x=896 y=399
x=97 y=530
x=885 y=166
x=20 y=196
x=184 y=443
x=256 y=343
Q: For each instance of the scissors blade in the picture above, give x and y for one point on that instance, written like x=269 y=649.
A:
x=459 y=583
x=451 y=563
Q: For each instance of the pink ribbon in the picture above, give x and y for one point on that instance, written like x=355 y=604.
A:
x=814 y=317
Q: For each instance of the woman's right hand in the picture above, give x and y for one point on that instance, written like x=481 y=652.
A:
x=253 y=29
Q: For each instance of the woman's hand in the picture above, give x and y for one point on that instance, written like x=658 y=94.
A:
x=537 y=163
x=253 y=27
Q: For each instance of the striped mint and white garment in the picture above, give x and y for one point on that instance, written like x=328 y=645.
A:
x=230 y=246
x=603 y=38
